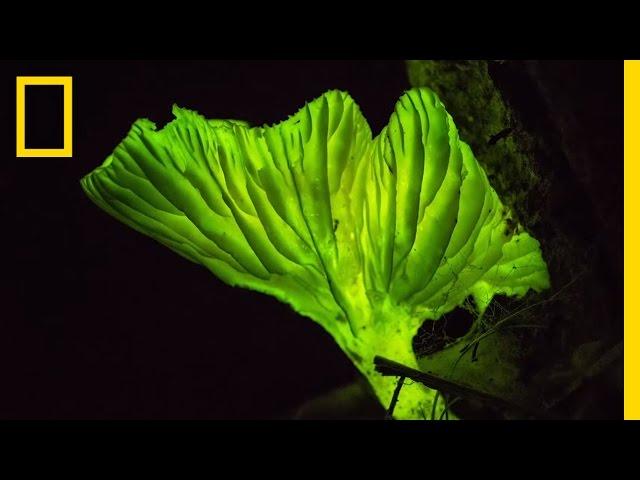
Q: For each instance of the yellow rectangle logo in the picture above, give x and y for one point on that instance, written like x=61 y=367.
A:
x=21 y=149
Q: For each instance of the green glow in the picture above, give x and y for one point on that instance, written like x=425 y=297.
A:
x=368 y=237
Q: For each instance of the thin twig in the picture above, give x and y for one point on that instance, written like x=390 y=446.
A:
x=448 y=406
x=495 y=327
x=394 y=399
x=436 y=398
x=388 y=367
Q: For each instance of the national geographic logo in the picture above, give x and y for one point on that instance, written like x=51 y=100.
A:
x=23 y=120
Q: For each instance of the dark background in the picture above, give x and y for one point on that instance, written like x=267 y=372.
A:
x=99 y=321
x=44 y=116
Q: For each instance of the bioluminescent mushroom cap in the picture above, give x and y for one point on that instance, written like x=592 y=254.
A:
x=368 y=237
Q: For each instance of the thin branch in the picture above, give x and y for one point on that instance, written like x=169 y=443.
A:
x=394 y=399
x=388 y=367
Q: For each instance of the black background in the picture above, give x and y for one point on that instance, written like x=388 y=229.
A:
x=99 y=321
x=44 y=116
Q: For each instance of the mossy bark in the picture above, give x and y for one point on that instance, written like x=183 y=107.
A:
x=549 y=137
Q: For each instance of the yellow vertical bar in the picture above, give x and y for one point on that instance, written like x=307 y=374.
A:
x=20 y=125
x=631 y=239
x=68 y=117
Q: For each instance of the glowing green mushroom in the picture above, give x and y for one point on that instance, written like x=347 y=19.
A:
x=368 y=237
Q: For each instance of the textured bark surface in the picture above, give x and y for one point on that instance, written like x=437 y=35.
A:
x=549 y=135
